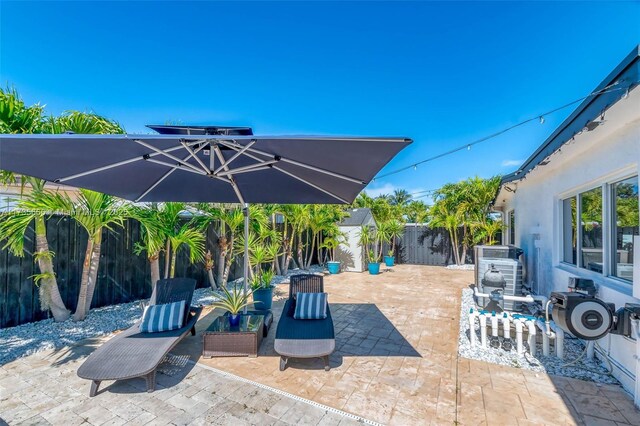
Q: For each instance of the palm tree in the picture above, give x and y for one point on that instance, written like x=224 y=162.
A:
x=82 y=123
x=400 y=197
x=35 y=207
x=388 y=232
x=292 y=214
x=368 y=240
x=190 y=237
x=95 y=212
x=443 y=215
x=298 y=215
x=153 y=236
x=16 y=117
x=416 y=212
x=230 y=219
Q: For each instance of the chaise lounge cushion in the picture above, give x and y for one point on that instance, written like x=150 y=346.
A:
x=165 y=317
x=311 y=306
x=291 y=328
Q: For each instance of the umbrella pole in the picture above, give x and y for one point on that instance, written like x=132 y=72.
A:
x=245 y=210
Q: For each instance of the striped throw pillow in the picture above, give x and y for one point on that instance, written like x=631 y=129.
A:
x=165 y=317
x=311 y=306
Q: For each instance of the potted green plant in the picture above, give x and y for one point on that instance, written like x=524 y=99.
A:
x=369 y=243
x=233 y=302
x=389 y=259
x=263 y=290
x=373 y=262
x=331 y=243
x=387 y=232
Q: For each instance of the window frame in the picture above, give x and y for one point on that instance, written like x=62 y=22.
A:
x=608 y=229
x=511 y=227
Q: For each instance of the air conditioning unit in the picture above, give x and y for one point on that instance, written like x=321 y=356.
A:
x=494 y=252
x=511 y=271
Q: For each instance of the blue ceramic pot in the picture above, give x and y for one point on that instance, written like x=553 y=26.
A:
x=374 y=268
x=263 y=299
x=389 y=260
x=234 y=320
x=334 y=267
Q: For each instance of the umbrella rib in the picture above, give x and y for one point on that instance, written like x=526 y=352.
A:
x=166 y=154
x=300 y=164
x=156 y=183
x=299 y=178
x=236 y=155
x=177 y=166
x=114 y=165
x=232 y=181
x=250 y=168
x=310 y=184
x=166 y=175
x=195 y=157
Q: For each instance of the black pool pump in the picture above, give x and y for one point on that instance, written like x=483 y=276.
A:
x=589 y=318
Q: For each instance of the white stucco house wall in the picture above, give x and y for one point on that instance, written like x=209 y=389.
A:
x=593 y=155
x=349 y=253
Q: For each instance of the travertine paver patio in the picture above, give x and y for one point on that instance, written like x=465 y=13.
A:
x=43 y=389
x=396 y=361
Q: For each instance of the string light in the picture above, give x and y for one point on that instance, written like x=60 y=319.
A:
x=539 y=117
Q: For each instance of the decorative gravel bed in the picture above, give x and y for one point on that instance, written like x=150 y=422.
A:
x=26 y=339
x=591 y=370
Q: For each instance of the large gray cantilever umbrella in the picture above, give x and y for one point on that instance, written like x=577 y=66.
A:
x=188 y=164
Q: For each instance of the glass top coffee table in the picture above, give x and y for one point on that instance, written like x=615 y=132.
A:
x=222 y=339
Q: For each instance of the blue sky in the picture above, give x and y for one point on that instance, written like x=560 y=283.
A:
x=443 y=74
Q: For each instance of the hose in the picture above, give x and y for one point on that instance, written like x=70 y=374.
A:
x=582 y=367
x=575 y=360
x=605 y=356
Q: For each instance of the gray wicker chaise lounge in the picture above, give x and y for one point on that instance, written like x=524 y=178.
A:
x=296 y=338
x=132 y=353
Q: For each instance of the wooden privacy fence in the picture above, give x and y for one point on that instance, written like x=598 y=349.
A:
x=123 y=276
x=421 y=245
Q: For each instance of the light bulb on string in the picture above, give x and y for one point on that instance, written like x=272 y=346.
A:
x=415 y=167
x=468 y=147
x=541 y=119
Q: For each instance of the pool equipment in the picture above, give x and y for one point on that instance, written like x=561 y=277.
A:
x=493 y=252
x=582 y=285
x=590 y=318
x=504 y=276
x=521 y=323
x=507 y=343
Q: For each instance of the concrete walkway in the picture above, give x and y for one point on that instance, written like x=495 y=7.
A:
x=396 y=363
x=43 y=389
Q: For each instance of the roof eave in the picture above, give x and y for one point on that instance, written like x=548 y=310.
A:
x=625 y=73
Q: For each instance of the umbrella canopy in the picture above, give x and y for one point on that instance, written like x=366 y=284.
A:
x=193 y=165
x=204 y=168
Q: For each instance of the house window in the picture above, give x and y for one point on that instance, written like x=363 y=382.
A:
x=512 y=227
x=570 y=230
x=598 y=230
x=591 y=229
x=624 y=197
